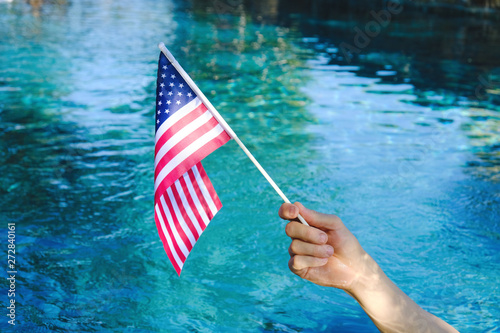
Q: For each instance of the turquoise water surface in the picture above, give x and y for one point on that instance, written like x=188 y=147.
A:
x=402 y=142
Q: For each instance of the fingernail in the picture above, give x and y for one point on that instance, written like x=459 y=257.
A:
x=323 y=238
x=329 y=250
x=293 y=210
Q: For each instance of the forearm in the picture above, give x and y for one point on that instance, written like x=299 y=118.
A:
x=388 y=306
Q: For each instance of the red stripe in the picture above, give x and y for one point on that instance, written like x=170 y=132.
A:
x=165 y=244
x=180 y=124
x=210 y=188
x=198 y=191
x=172 y=260
x=184 y=214
x=176 y=246
x=184 y=143
x=191 y=203
x=191 y=160
x=178 y=227
x=163 y=238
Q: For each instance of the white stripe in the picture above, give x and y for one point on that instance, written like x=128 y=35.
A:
x=167 y=237
x=176 y=117
x=204 y=190
x=199 y=206
x=188 y=151
x=183 y=133
x=170 y=220
x=178 y=214
x=187 y=207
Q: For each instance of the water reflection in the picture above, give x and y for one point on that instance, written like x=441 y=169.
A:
x=449 y=62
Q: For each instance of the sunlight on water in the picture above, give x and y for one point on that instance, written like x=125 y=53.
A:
x=410 y=162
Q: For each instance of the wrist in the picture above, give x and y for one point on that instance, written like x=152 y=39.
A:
x=369 y=278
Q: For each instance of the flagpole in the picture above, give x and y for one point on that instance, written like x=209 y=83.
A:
x=223 y=123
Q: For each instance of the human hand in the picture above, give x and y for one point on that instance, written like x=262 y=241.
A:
x=325 y=252
x=328 y=254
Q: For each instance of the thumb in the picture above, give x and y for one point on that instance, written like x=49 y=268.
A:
x=319 y=220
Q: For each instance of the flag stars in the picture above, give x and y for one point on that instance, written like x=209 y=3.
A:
x=170 y=91
x=159 y=103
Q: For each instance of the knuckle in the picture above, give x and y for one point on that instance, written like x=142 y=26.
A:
x=294 y=246
x=289 y=229
x=296 y=264
x=336 y=219
x=291 y=264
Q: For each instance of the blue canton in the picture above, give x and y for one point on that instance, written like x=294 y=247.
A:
x=172 y=92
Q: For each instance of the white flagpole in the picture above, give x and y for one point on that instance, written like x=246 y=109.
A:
x=223 y=123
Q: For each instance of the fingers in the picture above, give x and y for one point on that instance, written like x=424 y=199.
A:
x=316 y=219
x=298 y=247
x=299 y=263
x=305 y=233
x=324 y=221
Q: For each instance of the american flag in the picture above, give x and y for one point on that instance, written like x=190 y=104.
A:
x=186 y=132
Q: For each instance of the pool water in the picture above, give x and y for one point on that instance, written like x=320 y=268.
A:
x=402 y=141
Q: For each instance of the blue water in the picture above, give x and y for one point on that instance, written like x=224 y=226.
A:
x=402 y=142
